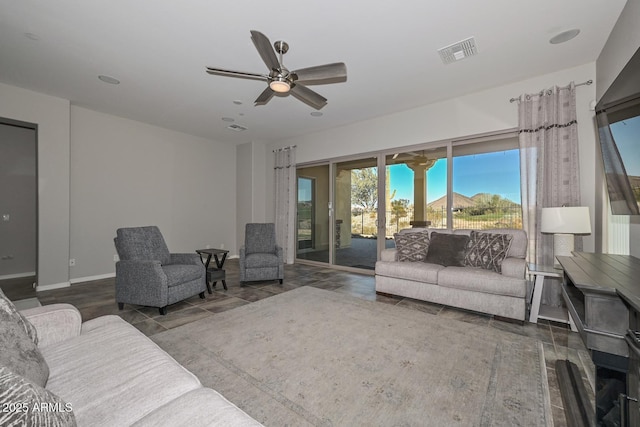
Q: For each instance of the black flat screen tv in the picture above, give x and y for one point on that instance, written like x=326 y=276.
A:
x=618 y=119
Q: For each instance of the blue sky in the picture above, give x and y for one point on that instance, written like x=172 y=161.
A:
x=627 y=136
x=495 y=173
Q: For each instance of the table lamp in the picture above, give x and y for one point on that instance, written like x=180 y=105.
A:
x=563 y=223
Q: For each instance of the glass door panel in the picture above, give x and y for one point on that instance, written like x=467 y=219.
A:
x=312 y=226
x=415 y=190
x=356 y=213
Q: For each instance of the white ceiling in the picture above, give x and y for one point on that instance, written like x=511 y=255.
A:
x=158 y=49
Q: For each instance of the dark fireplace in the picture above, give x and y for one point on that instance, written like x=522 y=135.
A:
x=602 y=294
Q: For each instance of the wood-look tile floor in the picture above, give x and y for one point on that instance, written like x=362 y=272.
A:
x=97 y=298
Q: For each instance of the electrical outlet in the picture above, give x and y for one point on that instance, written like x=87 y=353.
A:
x=72 y=262
x=221 y=245
x=207 y=247
x=116 y=258
x=6 y=217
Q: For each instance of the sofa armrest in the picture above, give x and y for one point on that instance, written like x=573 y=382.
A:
x=55 y=323
x=185 y=258
x=388 y=255
x=514 y=267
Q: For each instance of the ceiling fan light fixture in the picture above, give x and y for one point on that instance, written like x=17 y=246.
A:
x=280 y=85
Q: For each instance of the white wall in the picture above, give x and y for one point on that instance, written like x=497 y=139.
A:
x=52 y=117
x=621 y=45
x=126 y=173
x=481 y=112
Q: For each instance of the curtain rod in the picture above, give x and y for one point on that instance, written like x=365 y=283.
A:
x=588 y=82
x=284 y=148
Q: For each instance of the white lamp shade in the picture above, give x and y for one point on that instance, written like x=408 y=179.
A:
x=566 y=220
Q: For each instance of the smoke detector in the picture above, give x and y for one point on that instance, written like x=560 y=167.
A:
x=458 y=51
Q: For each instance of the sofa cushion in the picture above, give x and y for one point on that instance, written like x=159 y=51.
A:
x=113 y=375
x=417 y=271
x=480 y=280
x=447 y=249
x=199 y=407
x=412 y=246
x=19 y=353
x=178 y=274
x=27 y=404
x=487 y=250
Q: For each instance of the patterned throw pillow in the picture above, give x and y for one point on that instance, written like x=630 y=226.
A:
x=487 y=250
x=412 y=246
x=27 y=404
x=19 y=351
x=447 y=249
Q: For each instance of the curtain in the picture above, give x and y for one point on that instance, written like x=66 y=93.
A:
x=285 y=184
x=549 y=168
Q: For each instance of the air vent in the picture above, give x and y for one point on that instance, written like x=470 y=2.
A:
x=458 y=51
x=237 y=128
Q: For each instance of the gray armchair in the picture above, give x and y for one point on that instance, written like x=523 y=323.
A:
x=260 y=257
x=147 y=274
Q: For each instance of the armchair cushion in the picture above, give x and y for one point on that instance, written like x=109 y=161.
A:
x=178 y=274
x=261 y=260
x=142 y=243
x=260 y=238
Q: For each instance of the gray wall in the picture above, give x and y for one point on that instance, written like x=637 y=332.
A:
x=621 y=45
x=52 y=117
x=18 y=200
x=126 y=173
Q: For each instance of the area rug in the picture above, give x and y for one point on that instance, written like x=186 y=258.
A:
x=316 y=357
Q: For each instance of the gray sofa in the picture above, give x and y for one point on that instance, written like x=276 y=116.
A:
x=111 y=374
x=502 y=294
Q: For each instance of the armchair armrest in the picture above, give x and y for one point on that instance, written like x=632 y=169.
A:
x=185 y=258
x=514 y=267
x=388 y=255
x=55 y=323
x=141 y=282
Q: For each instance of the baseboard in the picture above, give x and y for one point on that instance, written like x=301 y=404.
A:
x=40 y=288
x=17 y=275
x=92 y=278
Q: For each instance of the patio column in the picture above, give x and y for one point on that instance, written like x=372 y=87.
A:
x=420 y=191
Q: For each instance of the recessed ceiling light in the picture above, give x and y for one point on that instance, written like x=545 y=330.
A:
x=228 y=119
x=237 y=102
x=316 y=113
x=564 y=36
x=109 y=79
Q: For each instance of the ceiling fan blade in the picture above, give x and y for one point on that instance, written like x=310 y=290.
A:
x=263 y=45
x=265 y=96
x=308 y=96
x=322 y=74
x=239 y=74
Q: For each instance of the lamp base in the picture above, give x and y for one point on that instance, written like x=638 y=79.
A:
x=562 y=246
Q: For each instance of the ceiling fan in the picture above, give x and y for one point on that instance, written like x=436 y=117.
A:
x=281 y=80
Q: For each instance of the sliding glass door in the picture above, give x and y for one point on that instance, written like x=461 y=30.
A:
x=312 y=226
x=356 y=213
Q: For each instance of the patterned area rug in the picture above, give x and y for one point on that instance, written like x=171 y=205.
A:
x=315 y=357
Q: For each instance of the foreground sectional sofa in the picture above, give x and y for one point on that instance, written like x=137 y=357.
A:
x=103 y=372
x=478 y=289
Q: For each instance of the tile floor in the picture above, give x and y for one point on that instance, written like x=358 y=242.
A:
x=96 y=298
